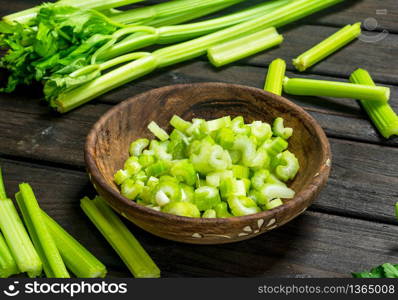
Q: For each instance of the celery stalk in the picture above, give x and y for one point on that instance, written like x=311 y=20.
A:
x=149 y=15
x=382 y=114
x=41 y=237
x=116 y=233
x=8 y=266
x=77 y=258
x=327 y=47
x=311 y=87
x=178 y=33
x=16 y=237
x=18 y=240
x=396 y=210
x=25 y=16
x=236 y=49
x=275 y=77
x=185 y=51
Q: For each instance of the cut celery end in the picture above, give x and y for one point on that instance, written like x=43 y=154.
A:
x=8 y=266
x=239 y=48
x=120 y=238
x=158 y=132
x=381 y=114
x=327 y=47
x=44 y=244
x=275 y=77
x=76 y=257
x=18 y=240
x=3 y=193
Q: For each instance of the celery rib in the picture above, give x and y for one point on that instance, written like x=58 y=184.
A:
x=8 y=266
x=275 y=77
x=327 y=47
x=76 y=257
x=121 y=239
x=382 y=114
x=53 y=264
x=239 y=48
x=319 y=88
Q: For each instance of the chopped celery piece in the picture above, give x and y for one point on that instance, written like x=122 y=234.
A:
x=157 y=169
x=167 y=191
x=132 y=166
x=327 y=47
x=209 y=214
x=131 y=188
x=288 y=166
x=225 y=138
x=222 y=210
x=275 y=145
x=184 y=171
x=259 y=179
x=146 y=159
x=120 y=238
x=121 y=176
x=158 y=132
x=275 y=76
x=246 y=147
x=382 y=114
x=44 y=243
x=242 y=47
x=206 y=197
x=8 y=266
x=179 y=123
x=312 y=87
x=261 y=131
x=217 y=124
x=273 y=191
x=77 y=258
x=240 y=172
x=214 y=179
x=187 y=193
x=184 y=209
x=239 y=127
x=160 y=150
x=280 y=130
x=138 y=146
x=273 y=203
x=242 y=206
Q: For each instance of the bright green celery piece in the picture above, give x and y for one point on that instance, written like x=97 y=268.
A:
x=157 y=131
x=327 y=47
x=206 y=197
x=120 y=238
x=183 y=209
x=65 y=101
x=8 y=266
x=280 y=130
x=16 y=237
x=44 y=243
x=242 y=206
x=179 y=123
x=77 y=258
x=178 y=33
x=275 y=77
x=312 y=87
x=154 y=15
x=382 y=114
x=25 y=16
x=248 y=45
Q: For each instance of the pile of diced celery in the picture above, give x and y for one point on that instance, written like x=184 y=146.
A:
x=211 y=169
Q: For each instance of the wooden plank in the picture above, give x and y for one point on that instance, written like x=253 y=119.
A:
x=314 y=244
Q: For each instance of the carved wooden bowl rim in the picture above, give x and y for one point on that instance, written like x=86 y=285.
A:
x=316 y=183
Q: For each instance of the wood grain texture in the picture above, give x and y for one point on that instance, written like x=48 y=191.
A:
x=362 y=184
x=313 y=245
x=107 y=145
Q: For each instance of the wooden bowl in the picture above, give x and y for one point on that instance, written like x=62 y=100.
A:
x=108 y=142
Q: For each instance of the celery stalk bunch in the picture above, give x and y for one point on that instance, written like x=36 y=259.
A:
x=81 y=53
x=56 y=40
x=211 y=169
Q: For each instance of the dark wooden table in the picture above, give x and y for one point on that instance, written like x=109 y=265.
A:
x=350 y=227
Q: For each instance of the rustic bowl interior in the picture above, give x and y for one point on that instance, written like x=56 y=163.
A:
x=108 y=143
